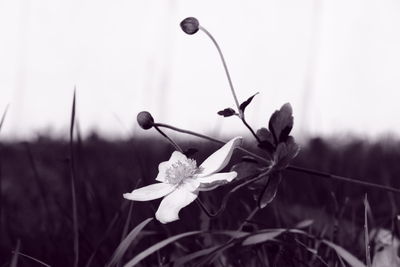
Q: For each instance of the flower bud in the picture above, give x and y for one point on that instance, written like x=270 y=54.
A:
x=145 y=120
x=190 y=25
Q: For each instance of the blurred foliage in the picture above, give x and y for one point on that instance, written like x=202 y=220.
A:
x=35 y=200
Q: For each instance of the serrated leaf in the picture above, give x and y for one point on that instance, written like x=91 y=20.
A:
x=285 y=152
x=281 y=123
x=269 y=192
x=243 y=106
x=190 y=152
x=227 y=112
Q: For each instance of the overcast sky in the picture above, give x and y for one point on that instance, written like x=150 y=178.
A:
x=337 y=62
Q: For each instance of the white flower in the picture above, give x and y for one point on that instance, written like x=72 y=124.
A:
x=181 y=180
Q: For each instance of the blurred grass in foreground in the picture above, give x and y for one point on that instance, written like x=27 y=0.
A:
x=35 y=200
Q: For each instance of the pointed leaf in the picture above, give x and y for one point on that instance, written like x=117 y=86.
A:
x=245 y=169
x=249 y=159
x=281 y=123
x=344 y=254
x=262 y=237
x=270 y=189
x=227 y=112
x=3 y=117
x=147 y=252
x=243 y=106
x=285 y=152
x=267 y=140
x=124 y=245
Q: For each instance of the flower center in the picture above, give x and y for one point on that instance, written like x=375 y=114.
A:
x=180 y=171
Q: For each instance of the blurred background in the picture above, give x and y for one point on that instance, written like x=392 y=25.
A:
x=336 y=62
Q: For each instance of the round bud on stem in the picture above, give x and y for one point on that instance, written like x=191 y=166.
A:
x=190 y=25
x=145 y=120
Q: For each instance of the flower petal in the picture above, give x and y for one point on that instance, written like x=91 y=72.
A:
x=163 y=166
x=150 y=192
x=171 y=205
x=213 y=181
x=220 y=158
x=190 y=184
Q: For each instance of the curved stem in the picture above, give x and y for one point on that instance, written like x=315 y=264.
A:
x=251 y=130
x=343 y=179
x=247 y=180
x=224 y=63
x=177 y=147
x=291 y=167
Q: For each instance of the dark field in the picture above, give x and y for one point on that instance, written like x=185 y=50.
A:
x=36 y=206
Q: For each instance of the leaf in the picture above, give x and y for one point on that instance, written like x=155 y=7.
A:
x=262 y=237
x=243 y=106
x=266 y=140
x=267 y=235
x=285 y=152
x=190 y=152
x=147 y=252
x=245 y=169
x=3 y=117
x=227 y=112
x=344 y=254
x=14 y=260
x=249 y=159
x=304 y=224
x=281 y=123
x=269 y=192
x=190 y=257
x=366 y=232
x=124 y=245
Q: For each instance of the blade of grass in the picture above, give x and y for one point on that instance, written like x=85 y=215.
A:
x=14 y=260
x=366 y=232
x=344 y=254
x=31 y=258
x=124 y=245
x=47 y=220
x=72 y=173
x=158 y=246
x=106 y=234
x=3 y=117
x=189 y=257
x=128 y=218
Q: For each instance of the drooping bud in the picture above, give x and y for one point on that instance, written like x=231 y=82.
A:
x=190 y=25
x=145 y=120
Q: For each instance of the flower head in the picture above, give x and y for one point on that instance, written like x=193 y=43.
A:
x=190 y=25
x=180 y=180
x=145 y=120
